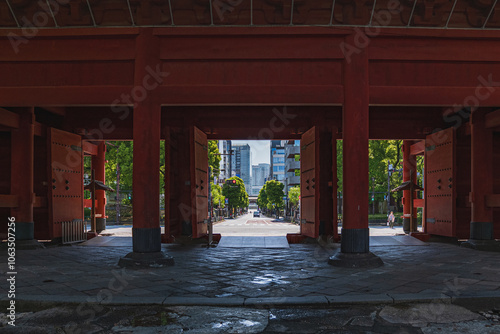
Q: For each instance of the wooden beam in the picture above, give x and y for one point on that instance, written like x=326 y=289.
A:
x=89 y=148
x=493 y=201
x=40 y=202
x=492 y=119
x=40 y=129
x=9 y=119
x=418 y=203
x=417 y=148
x=61 y=111
x=8 y=201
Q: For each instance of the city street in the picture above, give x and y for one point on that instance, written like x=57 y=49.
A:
x=247 y=225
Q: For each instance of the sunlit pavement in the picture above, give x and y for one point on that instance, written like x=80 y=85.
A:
x=247 y=225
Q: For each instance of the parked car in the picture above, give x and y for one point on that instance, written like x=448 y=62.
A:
x=256 y=214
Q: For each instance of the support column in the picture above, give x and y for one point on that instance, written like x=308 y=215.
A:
x=355 y=233
x=98 y=164
x=22 y=164
x=481 y=226
x=146 y=231
x=409 y=173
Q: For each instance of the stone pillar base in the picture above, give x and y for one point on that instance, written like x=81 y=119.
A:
x=356 y=260
x=100 y=224
x=28 y=244
x=482 y=245
x=146 y=240
x=145 y=260
x=25 y=231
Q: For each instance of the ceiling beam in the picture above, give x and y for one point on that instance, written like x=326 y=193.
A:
x=61 y=111
x=493 y=119
x=9 y=119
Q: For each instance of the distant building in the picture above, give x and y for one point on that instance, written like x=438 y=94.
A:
x=240 y=164
x=277 y=170
x=225 y=171
x=292 y=164
x=260 y=174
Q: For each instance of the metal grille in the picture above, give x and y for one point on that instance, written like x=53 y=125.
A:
x=73 y=231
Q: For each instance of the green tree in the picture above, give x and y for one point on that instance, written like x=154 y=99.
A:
x=262 y=198
x=274 y=192
x=235 y=193
x=293 y=196
x=218 y=200
x=214 y=158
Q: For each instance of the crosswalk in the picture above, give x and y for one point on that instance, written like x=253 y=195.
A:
x=260 y=223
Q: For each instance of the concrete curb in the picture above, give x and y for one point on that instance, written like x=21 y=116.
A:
x=479 y=300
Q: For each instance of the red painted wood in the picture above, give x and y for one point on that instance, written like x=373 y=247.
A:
x=409 y=174
x=492 y=119
x=440 y=173
x=199 y=182
x=9 y=119
x=481 y=167
x=22 y=166
x=309 y=183
x=146 y=134
x=417 y=148
x=65 y=174
x=355 y=140
x=89 y=148
x=99 y=164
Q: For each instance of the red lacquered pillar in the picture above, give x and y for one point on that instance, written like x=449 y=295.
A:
x=481 y=226
x=98 y=165
x=22 y=164
x=355 y=233
x=146 y=231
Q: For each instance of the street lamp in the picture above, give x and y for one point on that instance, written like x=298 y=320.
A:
x=390 y=169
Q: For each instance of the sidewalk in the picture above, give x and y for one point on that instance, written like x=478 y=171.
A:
x=298 y=275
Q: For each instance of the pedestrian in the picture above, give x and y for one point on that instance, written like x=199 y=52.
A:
x=390 y=220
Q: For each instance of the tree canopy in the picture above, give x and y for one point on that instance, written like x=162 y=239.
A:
x=236 y=194
x=271 y=195
x=214 y=158
x=218 y=199
x=293 y=195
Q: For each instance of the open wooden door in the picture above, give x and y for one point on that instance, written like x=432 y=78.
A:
x=309 y=183
x=199 y=182
x=65 y=191
x=440 y=189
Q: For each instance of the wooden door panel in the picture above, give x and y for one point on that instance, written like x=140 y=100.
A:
x=440 y=190
x=66 y=179
x=309 y=178
x=199 y=182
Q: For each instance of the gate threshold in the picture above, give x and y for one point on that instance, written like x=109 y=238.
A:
x=253 y=242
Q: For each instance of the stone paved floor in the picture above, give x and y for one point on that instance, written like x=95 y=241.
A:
x=299 y=271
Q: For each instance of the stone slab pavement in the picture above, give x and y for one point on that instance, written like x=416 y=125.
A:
x=299 y=275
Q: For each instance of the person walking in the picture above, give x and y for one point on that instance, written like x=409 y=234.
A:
x=391 y=220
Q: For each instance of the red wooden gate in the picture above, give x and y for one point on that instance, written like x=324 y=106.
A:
x=65 y=193
x=440 y=190
x=199 y=182
x=309 y=183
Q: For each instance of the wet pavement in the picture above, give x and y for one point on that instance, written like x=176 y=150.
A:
x=266 y=279
x=406 y=318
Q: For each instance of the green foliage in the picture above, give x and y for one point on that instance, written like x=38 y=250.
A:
x=218 y=200
x=274 y=192
x=214 y=157
x=293 y=195
x=236 y=194
x=123 y=154
x=262 y=198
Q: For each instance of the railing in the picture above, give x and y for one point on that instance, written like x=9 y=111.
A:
x=73 y=231
x=292 y=151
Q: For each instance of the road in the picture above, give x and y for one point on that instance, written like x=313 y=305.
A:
x=247 y=225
